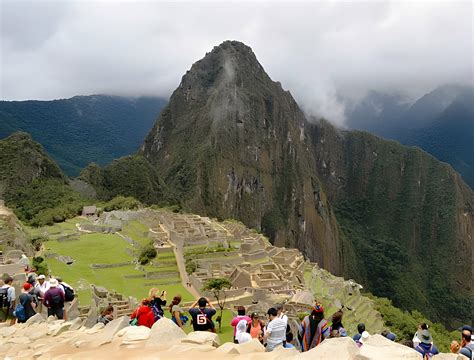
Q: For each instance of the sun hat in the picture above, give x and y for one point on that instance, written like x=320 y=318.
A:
x=425 y=337
x=53 y=282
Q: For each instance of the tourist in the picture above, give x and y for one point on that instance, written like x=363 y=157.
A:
x=360 y=330
x=282 y=315
x=241 y=334
x=275 y=332
x=27 y=302
x=202 y=315
x=7 y=300
x=42 y=285
x=455 y=347
x=426 y=346
x=467 y=347
x=337 y=329
x=107 y=315
x=255 y=327
x=389 y=335
x=143 y=315
x=314 y=328
x=416 y=339
x=240 y=316
x=54 y=300
x=177 y=313
x=157 y=302
x=289 y=339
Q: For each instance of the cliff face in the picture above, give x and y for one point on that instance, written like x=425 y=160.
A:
x=232 y=143
x=407 y=216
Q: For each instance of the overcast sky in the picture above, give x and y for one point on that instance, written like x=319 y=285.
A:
x=58 y=49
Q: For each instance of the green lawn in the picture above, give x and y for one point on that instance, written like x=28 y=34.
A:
x=67 y=226
x=107 y=249
x=137 y=231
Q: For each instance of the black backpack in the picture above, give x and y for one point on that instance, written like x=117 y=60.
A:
x=4 y=303
x=68 y=293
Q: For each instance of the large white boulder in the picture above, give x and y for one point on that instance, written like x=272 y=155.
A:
x=165 y=332
x=202 y=338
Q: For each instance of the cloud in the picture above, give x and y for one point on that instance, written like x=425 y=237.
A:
x=318 y=50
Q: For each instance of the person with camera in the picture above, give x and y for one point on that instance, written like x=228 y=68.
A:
x=201 y=313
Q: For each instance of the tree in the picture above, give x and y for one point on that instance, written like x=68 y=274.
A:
x=217 y=287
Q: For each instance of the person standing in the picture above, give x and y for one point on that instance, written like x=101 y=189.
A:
x=275 y=333
x=467 y=347
x=28 y=303
x=241 y=335
x=7 y=300
x=240 y=316
x=54 y=300
x=202 y=315
x=314 y=328
x=426 y=346
x=255 y=327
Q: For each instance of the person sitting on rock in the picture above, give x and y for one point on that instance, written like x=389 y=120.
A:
x=240 y=316
x=416 y=338
x=157 y=302
x=202 y=315
x=177 y=313
x=390 y=335
x=143 y=315
x=54 y=300
x=360 y=330
x=27 y=301
x=426 y=346
x=255 y=327
x=313 y=329
x=107 y=315
x=275 y=332
x=337 y=329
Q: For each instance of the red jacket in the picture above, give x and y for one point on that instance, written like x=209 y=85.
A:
x=144 y=315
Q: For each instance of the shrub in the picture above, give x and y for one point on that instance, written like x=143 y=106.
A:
x=122 y=203
x=148 y=253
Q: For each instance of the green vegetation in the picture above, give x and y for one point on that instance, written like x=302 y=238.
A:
x=40 y=265
x=107 y=249
x=216 y=286
x=404 y=324
x=45 y=201
x=148 y=253
x=79 y=140
x=122 y=203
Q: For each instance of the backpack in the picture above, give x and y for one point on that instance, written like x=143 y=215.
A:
x=20 y=312
x=57 y=300
x=4 y=303
x=68 y=293
x=157 y=312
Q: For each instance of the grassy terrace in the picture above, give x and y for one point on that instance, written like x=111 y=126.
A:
x=109 y=249
x=136 y=231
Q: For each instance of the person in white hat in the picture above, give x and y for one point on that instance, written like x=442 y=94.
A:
x=41 y=286
x=54 y=300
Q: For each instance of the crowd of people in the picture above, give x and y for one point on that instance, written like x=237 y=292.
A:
x=37 y=292
x=273 y=332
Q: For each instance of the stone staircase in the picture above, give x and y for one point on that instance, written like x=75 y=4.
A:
x=121 y=307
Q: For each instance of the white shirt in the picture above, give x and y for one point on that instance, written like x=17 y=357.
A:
x=42 y=288
x=276 y=330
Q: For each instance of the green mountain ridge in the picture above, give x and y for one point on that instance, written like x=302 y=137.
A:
x=83 y=129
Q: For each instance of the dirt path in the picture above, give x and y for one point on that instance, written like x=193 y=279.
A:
x=178 y=254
